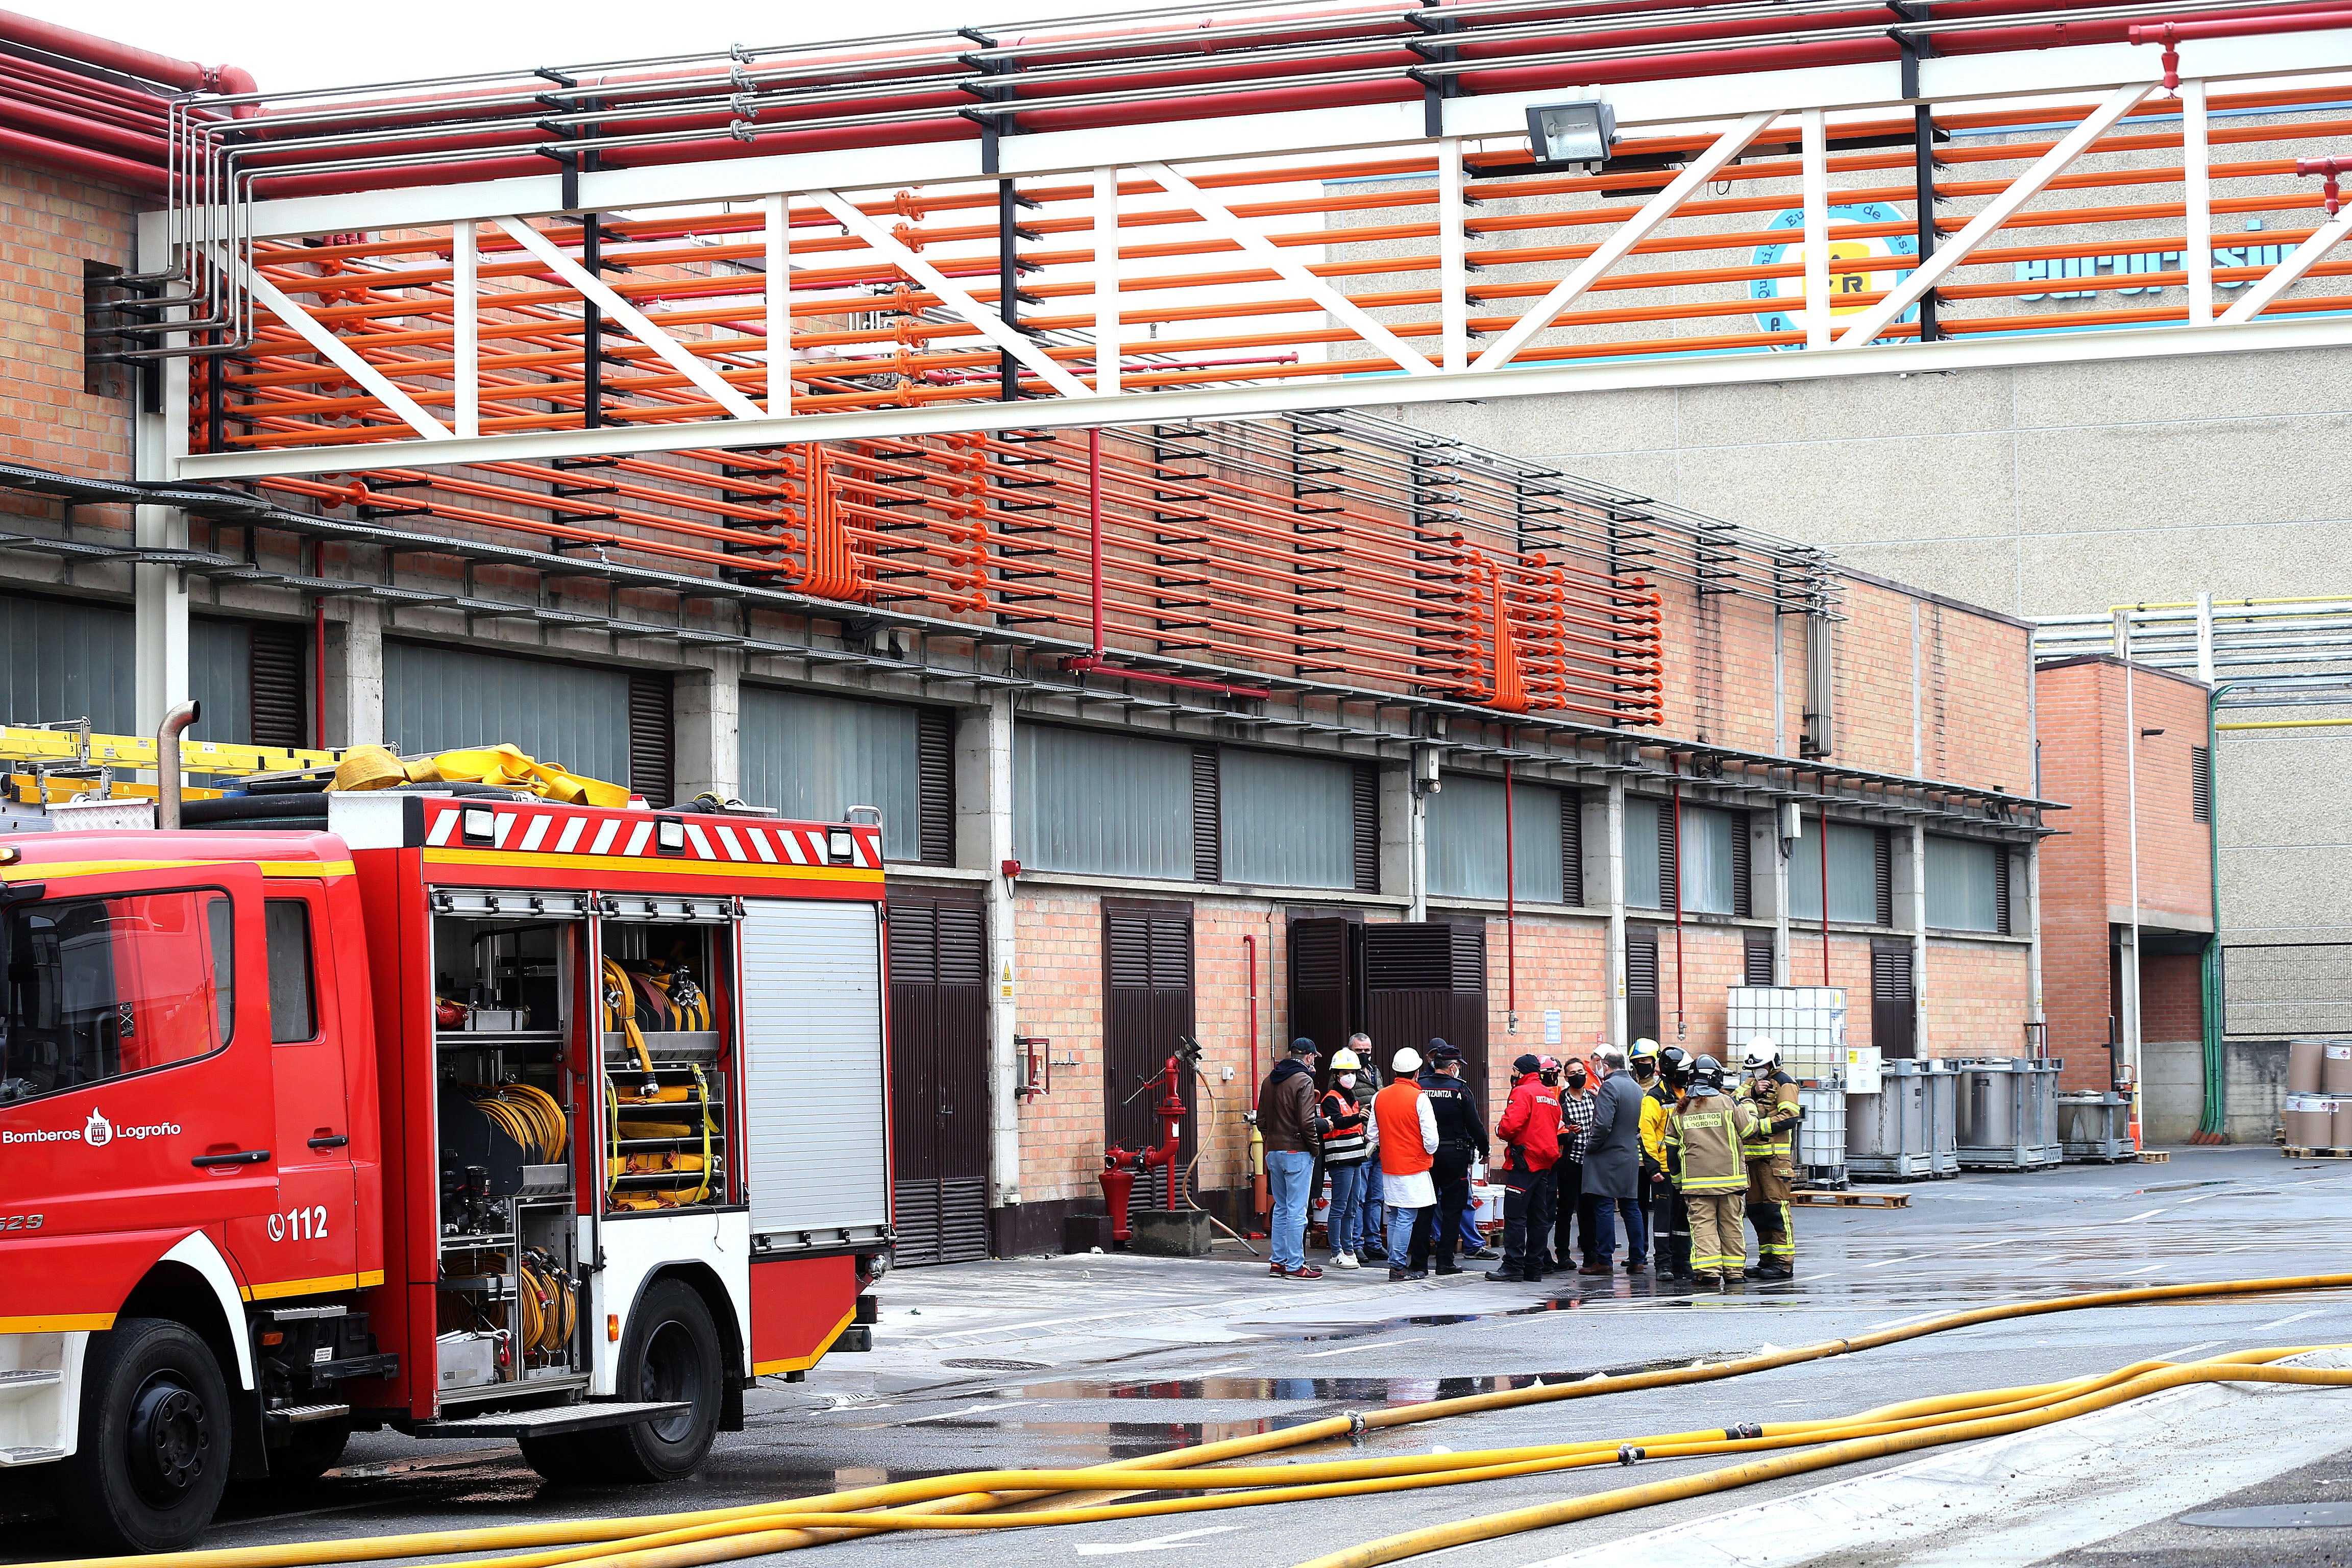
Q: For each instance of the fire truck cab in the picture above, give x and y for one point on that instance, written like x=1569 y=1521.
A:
x=444 y=1109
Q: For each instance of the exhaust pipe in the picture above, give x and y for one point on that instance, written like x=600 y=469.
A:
x=167 y=761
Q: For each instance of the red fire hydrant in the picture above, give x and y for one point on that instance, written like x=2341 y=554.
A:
x=1121 y=1165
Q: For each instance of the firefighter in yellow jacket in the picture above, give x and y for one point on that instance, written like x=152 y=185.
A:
x=1706 y=1138
x=1771 y=1094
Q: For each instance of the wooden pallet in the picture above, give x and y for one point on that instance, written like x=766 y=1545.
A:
x=2155 y=1156
x=2295 y=1151
x=1820 y=1197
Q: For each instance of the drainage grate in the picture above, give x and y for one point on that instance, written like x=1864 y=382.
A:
x=983 y=1363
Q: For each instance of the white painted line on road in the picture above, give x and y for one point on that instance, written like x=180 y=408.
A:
x=1351 y=1349
x=2283 y=1323
x=2128 y=1219
x=2190 y=1350
x=1911 y=1318
x=2243 y=1246
x=1979 y=1247
x=2198 y=1199
x=993 y=1405
x=1885 y=1262
x=1801 y=1278
x=1157 y=1543
x=2142 y=1268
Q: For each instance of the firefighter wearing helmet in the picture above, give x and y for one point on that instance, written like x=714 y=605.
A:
x=1705 y=1135
x=1769 y=1148
x=1662 y=1087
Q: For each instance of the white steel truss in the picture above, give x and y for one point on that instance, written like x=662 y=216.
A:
x=435 y=361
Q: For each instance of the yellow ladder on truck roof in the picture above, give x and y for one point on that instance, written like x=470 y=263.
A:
x=40 y=765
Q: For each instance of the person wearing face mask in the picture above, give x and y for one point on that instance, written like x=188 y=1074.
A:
x=1575 y=1134
x=1371 y=1228
x=1347 y=1148
x=1529 y=1132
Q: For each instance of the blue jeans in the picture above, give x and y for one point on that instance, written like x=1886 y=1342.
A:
x=1347 y=1197
x=1601 y=1228
x=1287 y=1172
x=1401 y=1223
x=1371 y=1224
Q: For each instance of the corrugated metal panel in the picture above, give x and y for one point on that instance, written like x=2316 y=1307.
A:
x=436 y=698
x=1854 y=874
x=1466 y=839
x=280 y=684
x=61 y=660
x=813 y=756
x=1644 y=889
x=1709 y=869
x=1289 y=822
x=220 y=677
x=813 y=1064
x=1116 y=804
x=651 y=735
x=1963 y=885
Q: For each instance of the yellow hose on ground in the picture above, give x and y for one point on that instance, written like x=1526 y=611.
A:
x=760 y=1533
x=688 y=1540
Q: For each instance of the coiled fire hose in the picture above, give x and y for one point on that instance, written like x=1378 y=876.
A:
x=966 y=1502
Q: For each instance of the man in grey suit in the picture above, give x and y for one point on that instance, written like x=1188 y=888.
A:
x=1612 y=1164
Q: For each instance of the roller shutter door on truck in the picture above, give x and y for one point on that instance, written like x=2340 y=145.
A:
x=818 y=1158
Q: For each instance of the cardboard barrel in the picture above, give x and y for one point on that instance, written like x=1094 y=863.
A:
x=2304 y=1065
x=2335 y=1068
x=2310 y=1121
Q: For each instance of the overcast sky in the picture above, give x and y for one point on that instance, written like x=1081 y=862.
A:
x=289 y=44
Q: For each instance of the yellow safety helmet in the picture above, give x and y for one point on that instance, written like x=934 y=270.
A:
x=1344 y=1060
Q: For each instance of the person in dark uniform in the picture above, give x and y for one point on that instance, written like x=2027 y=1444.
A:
x=1461 y=1139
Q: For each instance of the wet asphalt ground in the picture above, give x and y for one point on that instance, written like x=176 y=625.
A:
x=1076 y=1361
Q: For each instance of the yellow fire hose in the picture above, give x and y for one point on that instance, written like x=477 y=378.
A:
x=965 y=1502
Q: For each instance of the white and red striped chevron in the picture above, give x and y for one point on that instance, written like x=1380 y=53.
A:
x=534 y=828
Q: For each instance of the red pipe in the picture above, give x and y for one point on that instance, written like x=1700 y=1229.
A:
x=1680 y=1028
x=50 y=38
x=1182 y=95
x=79 y=130
x=81 y=160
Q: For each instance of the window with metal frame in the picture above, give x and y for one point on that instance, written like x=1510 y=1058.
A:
x=103 y=988
x=1465 y=840
x=1964 y=883
x=1861 y=875
x=1756 y=955
x=437 y=697
x=1713 y=859
x=1289 y=820
x=1652 y=859
x=1103 y=803
x=813 y=755
x=293 y=992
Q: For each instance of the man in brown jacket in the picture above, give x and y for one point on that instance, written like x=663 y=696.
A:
x=1286 y=1123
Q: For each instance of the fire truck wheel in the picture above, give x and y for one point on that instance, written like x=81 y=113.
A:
x=670 y=1353
x=312 y=1449
x=155 y=1433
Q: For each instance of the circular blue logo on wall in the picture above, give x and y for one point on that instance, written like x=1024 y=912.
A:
x=1782 y=298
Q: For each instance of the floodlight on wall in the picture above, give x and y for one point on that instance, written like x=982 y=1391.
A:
x=1580 y=132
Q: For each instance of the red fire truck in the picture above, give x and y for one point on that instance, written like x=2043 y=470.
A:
x=461 y=1114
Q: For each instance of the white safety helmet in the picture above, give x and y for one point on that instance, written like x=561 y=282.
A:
x=1405 y=1061
x=1344 y=1060
x=1762 y=1056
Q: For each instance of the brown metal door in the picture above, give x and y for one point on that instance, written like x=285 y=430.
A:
x=1891 y=1001
x=1148 y=1013
x=938 y=1075
x=1425 y=980
x=1641 y=985
x=1325 y=964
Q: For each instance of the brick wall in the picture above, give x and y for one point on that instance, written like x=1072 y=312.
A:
x=2086 y=868
x=1975 y=999
x=2170 y=1002
x=49 y=226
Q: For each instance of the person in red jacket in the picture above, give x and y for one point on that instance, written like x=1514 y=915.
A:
x=1529 y=1132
